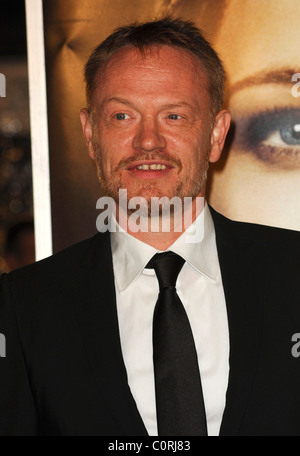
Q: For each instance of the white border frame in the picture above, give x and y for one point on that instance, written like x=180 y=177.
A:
x=39 y=128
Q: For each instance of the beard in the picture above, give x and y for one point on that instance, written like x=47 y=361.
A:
x=188 y=186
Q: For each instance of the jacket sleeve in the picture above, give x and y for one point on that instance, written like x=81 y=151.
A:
x=17 y=410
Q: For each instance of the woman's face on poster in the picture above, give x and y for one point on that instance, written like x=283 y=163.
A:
x=258 y=180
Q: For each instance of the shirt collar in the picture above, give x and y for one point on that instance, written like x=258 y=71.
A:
x=197 y=245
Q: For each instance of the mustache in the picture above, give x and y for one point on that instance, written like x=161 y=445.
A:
x=150 y=156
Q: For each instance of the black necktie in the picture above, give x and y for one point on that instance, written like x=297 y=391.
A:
x=179 y=398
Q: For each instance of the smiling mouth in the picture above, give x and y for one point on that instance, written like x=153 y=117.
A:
x=150 y=166
x=153 y=167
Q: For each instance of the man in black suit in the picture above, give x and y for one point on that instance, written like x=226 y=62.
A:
x=78 y=326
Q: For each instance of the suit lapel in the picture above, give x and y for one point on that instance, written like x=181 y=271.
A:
x=96 y=307
x=242 y=275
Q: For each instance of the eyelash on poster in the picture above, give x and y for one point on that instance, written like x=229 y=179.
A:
x=254 y=130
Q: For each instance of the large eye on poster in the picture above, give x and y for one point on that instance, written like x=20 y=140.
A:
x=258 y=178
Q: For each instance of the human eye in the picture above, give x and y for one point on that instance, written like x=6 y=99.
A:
x=121 y=116
x=174 y=117
x=273 y=135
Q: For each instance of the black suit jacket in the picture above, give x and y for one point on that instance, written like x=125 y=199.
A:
x=64 y=373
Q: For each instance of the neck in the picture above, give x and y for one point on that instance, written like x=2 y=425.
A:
x=162 y=231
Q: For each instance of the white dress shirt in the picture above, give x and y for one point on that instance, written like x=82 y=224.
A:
x=199 y=286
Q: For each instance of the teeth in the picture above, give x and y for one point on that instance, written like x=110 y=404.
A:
x=154 y=167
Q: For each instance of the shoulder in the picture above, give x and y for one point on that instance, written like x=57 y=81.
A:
x=47 y=290
x=46 y=279
x=277 y=248
x=231 y=230
x=266 y=257
x=78 y=256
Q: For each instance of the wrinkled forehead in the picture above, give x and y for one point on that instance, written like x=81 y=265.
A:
x=151 y=65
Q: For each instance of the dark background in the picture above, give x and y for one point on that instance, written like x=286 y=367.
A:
x=13 y=29
x=15 y=149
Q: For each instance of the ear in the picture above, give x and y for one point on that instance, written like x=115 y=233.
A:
x=87 y=129
x=218 y=135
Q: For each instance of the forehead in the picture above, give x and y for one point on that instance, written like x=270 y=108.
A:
x=165 y=68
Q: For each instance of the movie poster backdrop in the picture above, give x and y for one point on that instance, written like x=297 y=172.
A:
x=258 y=178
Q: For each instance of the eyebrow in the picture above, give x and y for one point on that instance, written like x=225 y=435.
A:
x=180 y=104
x=281 y=76
x=117 y=99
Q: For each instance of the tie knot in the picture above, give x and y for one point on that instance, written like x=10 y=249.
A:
x=167 y=266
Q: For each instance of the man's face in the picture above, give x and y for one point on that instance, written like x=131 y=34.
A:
x=150 y=131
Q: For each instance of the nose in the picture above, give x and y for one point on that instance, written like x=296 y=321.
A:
x=149 y=136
